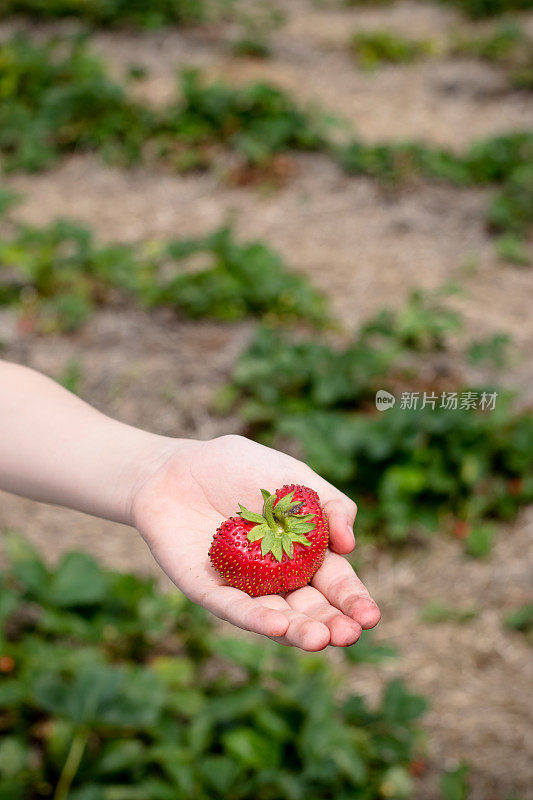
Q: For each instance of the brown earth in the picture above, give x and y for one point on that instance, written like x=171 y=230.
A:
x=365 y=248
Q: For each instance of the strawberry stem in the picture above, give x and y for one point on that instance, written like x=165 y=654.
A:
x=275 y=522
x=280 y=526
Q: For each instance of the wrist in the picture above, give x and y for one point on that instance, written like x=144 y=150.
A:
x=144 y=459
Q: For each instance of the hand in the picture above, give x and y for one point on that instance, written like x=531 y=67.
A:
x=197 y=485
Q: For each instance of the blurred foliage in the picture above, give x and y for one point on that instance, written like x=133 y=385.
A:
x=492 y=350
x=436 y=612
x=454 y=785
x=113 y=691
x=111 y=13
x=521 y=619
x=71 y=376
x=257 y=120
x=8 y=199
x=495 y=160
x=513 y=250
x=511 y=210
x=479 y=540
x=374 y=47
x=476 y=9
x=57 y=274
x=508 y=46
x=413 y=469
x=57 y=98
x=503 y=160
x=369 y=651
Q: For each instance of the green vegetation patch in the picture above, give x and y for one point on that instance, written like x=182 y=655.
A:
x=413 y=467
x=113 y=691
x=505 y=161
x=56 y=275
x=509 y=46
x=56 y=98
x=476 y=9
x=111 y=13
x=374 y=47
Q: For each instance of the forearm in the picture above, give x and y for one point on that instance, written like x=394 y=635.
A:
x=57 y=449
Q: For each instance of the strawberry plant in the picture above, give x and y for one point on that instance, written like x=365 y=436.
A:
x=57 y=274
x=504 y=161
x=372 y=48
x=509 y=46
x=476 y=9
x=487 y=161
x=410 y=468
x=110 y=13
x=57 y=98
x=111 y=689
x=521 y=619
x=257 y=120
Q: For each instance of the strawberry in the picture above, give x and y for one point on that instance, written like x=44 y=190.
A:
x=276 y=551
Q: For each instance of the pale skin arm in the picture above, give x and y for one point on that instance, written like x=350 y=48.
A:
x=57 y=449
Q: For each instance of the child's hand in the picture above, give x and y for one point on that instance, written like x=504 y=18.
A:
x=193 y=486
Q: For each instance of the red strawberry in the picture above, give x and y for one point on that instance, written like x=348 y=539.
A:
x=276 y=551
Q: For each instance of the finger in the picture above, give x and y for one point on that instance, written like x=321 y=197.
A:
x=344 y=631
x=303 y=631
x=340 y=509
x=248 y=613
x=341 y=517
x=342 y=588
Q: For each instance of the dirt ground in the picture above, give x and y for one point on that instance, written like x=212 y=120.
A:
x=365 y=249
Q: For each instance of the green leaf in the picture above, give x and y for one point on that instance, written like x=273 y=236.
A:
x=176 y=672
x=220 y=773
x=267 y=542
x=399 y=705
x=244 y=652
x=251 y=516
x=284 y=503
x=26 y=564
x=277 y=549
x=252 y=748
x=436 y=611
x=397 y=783
x=120 y=755
x=287 y=545
x=258 y=532
x=454 y=784
x=478 y=543
x=14 y=756
x=78 y=581
x=89 y=792
x=296 y=537
x=302 y=527
x=521 y=619
x=368 y=651
x=305 y=517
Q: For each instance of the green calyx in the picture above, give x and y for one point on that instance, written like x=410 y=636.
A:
x=279 y=526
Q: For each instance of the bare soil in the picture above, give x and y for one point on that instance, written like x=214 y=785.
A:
x=365 y=248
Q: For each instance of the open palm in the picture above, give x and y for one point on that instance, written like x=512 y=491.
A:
x=199 y=484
